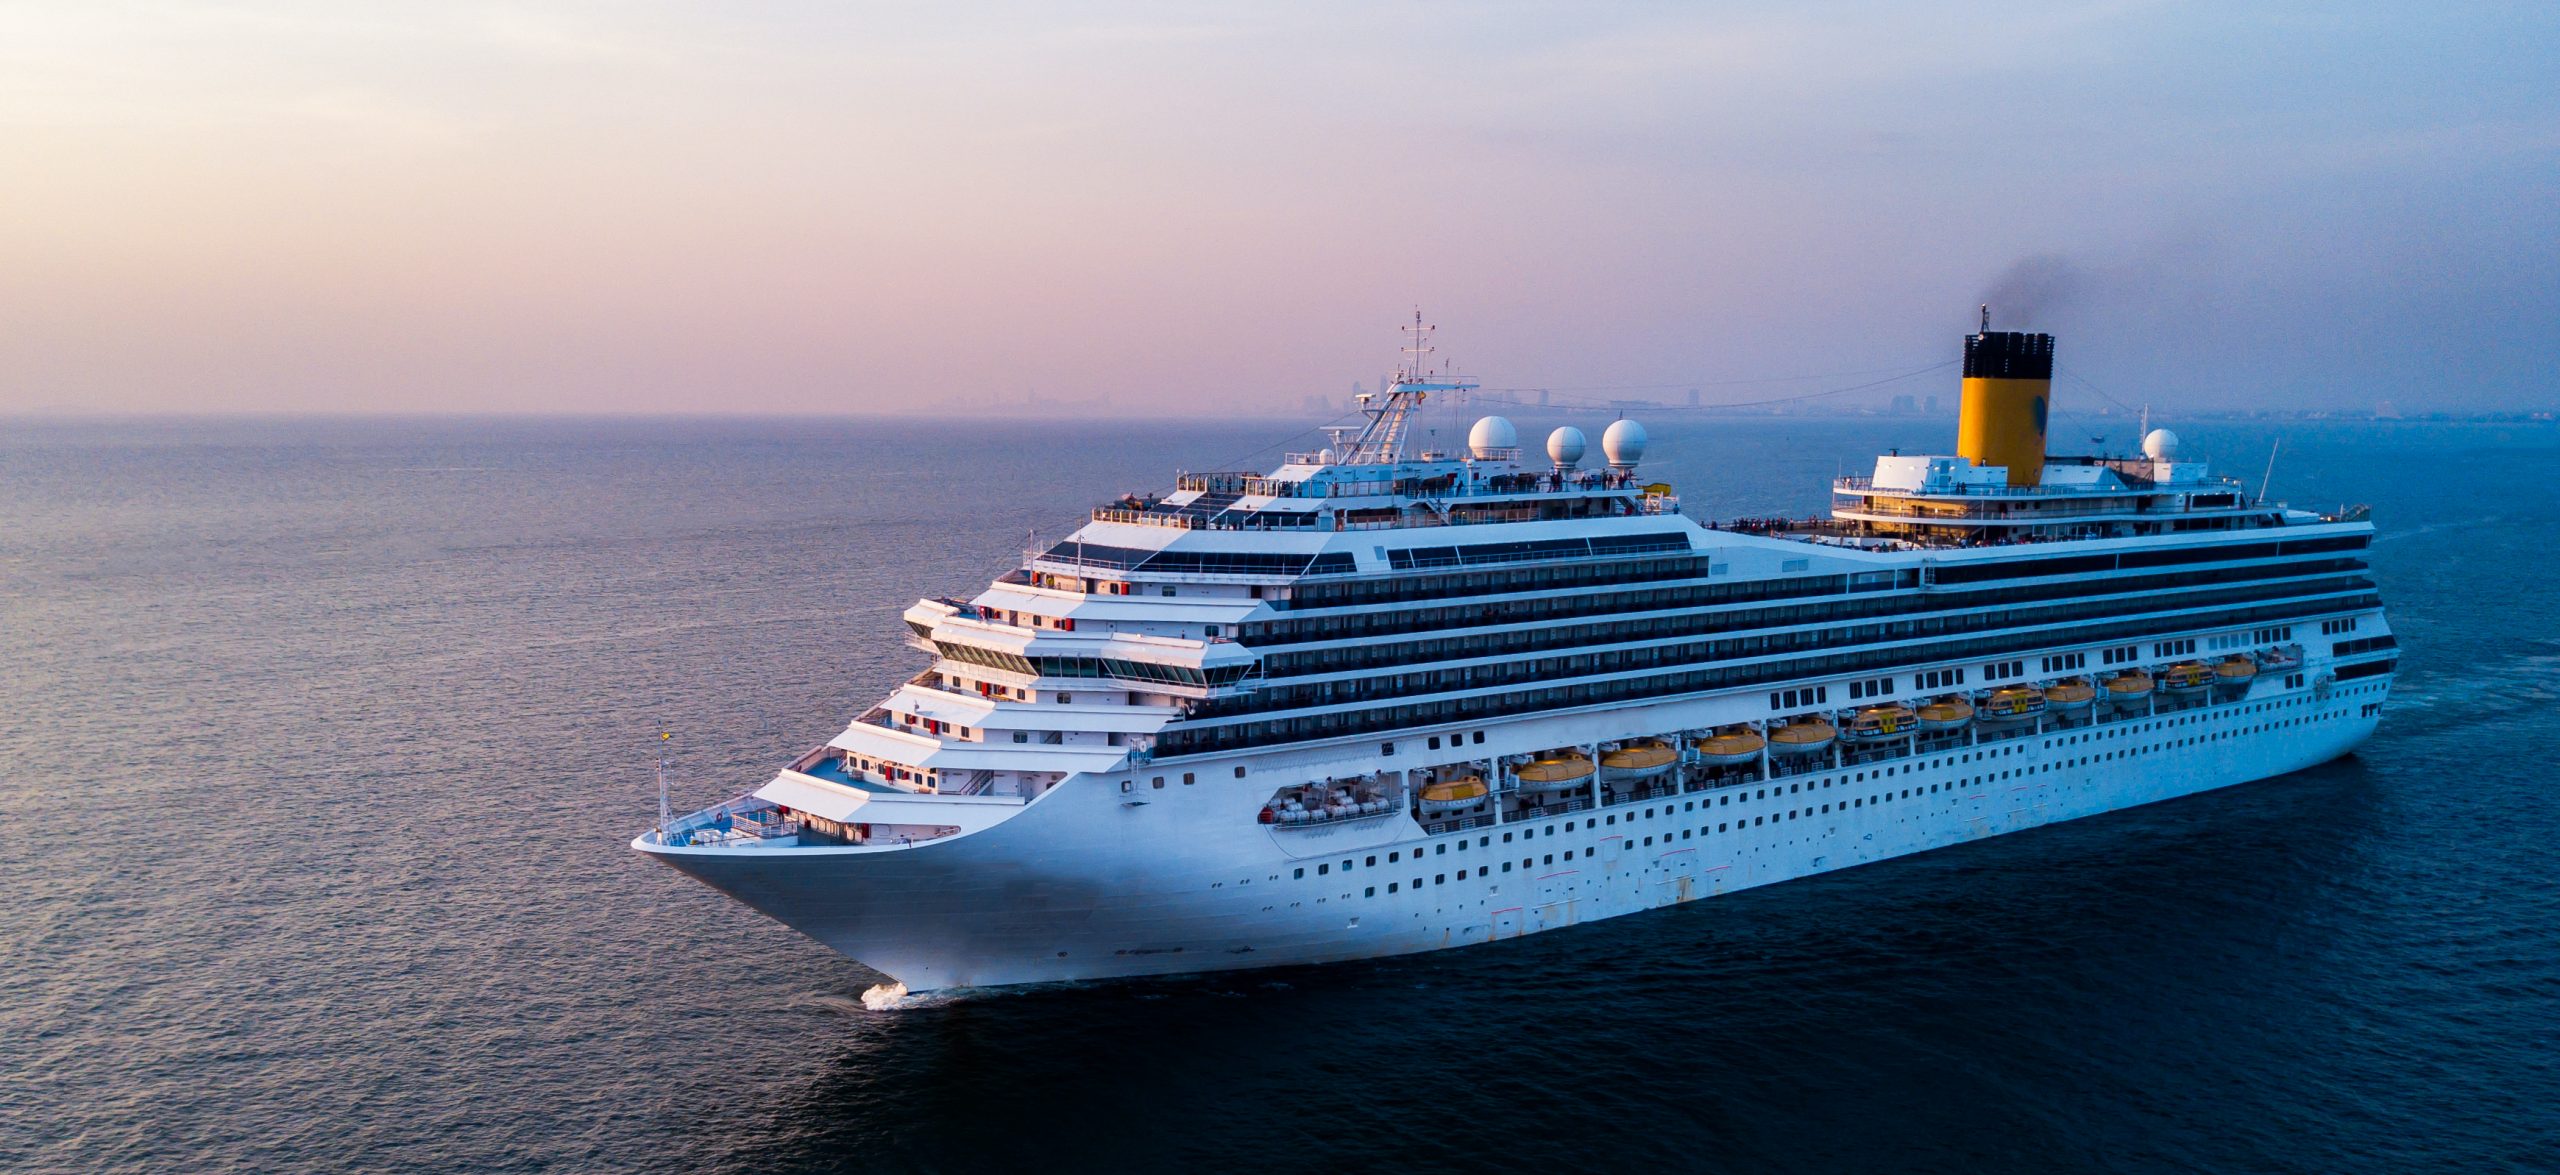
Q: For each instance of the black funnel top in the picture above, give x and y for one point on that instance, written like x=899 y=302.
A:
x=2003 y=354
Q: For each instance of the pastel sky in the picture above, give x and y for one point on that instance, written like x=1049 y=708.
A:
x=841 y=207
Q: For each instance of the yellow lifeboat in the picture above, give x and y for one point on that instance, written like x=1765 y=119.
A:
x=1637 y=762
x=2069 y=695
x=1946 y=714
x=1883 y=722
x=1553 y=773
x=1730 y=748
x=1451 y=795
x=1802 y=737
x=2013 y=703
x=2186 y=677
x=2235 y=673
x=2129 y=688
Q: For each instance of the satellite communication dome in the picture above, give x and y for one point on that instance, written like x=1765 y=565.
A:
x=2160 y=445
x=1623 y=444
x=1564 y=445
x=1491 y=434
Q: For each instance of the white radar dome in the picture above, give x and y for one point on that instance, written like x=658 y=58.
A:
x=1564 y=446
x=1491 y=434
x=1623 y=444
x=2160 y=445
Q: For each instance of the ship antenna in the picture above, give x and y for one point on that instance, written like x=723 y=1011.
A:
x=1986 y=318
x=2270 y=478
x=664 y=814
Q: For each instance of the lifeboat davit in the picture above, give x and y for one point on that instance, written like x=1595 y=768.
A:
x=2129 y=689
x=2234 y=674
x=2015 y=703
x=1637 y=762
x=1440 y=799
x=1553 y=773
x=2186 y=677
x=2069 y=696
x=1946 y=714
x=1883 y=722
x=1802 y=737
x=1730 y=748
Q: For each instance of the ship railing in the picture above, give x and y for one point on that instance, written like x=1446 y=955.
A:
x=1457 y=823
x=1643 y=792
x=1149 y=518
x=1556 y=808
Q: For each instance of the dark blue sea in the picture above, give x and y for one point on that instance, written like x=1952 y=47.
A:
x=321 y=743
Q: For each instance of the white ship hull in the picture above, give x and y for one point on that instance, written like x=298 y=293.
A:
x=1082 y=883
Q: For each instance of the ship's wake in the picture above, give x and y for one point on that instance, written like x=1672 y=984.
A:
x=885 y=997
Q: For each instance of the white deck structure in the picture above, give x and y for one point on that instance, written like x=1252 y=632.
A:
x=1285 y=717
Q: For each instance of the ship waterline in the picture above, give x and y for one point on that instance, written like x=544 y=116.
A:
x=1373 y=703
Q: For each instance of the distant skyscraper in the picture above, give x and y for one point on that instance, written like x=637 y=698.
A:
x=1905 y=405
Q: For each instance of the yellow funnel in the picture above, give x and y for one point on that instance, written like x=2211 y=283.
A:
x=2008 y=388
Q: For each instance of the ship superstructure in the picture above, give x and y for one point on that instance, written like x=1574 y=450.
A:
x=1376 y=701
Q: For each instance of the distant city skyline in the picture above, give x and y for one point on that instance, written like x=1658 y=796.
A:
x=273 y=206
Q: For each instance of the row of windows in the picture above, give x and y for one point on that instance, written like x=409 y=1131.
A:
x=2364 y=644
x=1871 y=688
x=2065 y=662
x=1285 y=694
x=1369 y=592
x=2334 y=627
x=2003 y=670
x=2178 y=648
x=1142 y=672
x=1697 y=597
x=1797 y=699
x=2089 y=564
x=1938 y=679
x=2121 y=654
x=1191 y=562
x=1480 y=554
x=1204 y=739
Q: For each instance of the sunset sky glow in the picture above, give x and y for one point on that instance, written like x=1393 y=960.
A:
x=817 y=207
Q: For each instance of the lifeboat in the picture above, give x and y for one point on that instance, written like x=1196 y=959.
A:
x=1553 y=773
x=2186 y=677
x=1440 y=799
x=2274 y=660
x=2069 y=696
x=2129 y=689
x=2015 y=703
x=1882 y=722
x=2234 y=674
x=1946 y=714
x=1637 y=762
x=1730 y=748
x=1802 y=737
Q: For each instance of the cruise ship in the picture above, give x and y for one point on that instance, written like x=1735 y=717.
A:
x=1382 y=700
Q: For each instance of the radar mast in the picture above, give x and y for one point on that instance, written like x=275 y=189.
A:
x=1381 y=440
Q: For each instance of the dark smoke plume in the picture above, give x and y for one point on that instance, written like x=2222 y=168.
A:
x=2033 y=290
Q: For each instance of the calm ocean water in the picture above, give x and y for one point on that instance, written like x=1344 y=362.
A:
x=320 y=743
